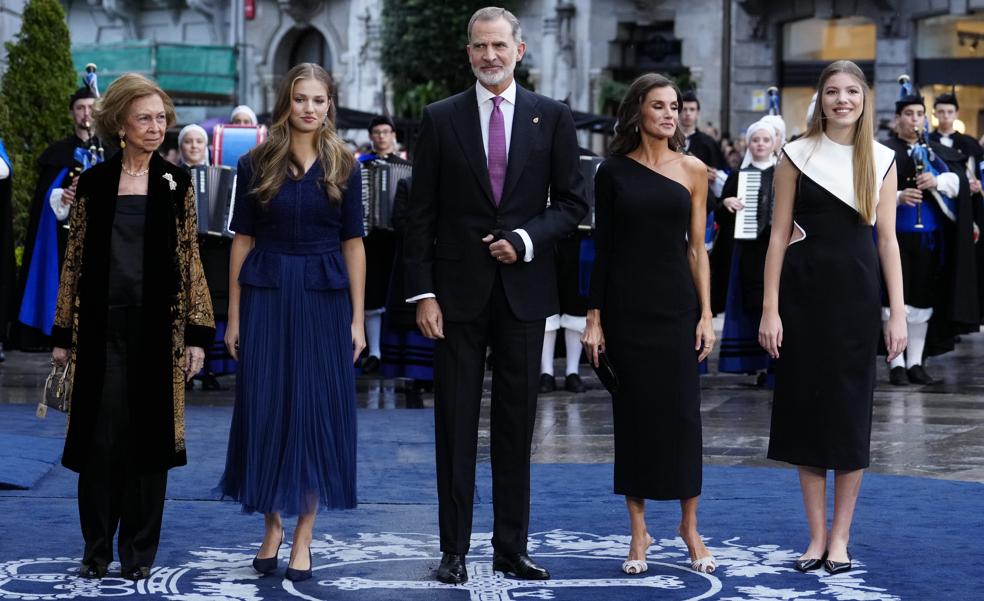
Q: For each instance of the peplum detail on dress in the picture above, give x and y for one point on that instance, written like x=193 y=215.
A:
x=324 y=266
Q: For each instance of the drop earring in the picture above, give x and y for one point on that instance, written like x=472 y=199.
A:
x=122 y=141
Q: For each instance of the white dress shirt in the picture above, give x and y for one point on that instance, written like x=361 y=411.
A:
x=508 y=108
x=485 y=106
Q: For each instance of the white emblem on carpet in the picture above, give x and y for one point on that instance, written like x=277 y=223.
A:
x=356 y=568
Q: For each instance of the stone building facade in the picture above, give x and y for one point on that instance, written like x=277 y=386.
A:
x=731 y=50
x=574 y=46
x=938 y=43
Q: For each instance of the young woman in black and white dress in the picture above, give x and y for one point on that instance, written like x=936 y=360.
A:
x=834 y=188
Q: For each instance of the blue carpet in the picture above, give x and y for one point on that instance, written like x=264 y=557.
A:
x=29 y=447
x=913 y=538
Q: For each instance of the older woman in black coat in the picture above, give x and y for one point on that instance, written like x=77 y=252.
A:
x=134 y=314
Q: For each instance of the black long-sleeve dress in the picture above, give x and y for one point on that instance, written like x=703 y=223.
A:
x=643 y=286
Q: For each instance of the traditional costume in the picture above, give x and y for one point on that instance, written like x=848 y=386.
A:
x=935 y=244
x=214 y=251
x=380 y=245
x=47 y=232
x=741 y=352
x=8 y=268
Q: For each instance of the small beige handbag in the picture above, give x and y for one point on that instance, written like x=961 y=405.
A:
x=57 y=391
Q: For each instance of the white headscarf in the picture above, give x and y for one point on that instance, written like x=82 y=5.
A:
x=193 y=128
x=754 y=127
x=242 y=108
x=780 y=126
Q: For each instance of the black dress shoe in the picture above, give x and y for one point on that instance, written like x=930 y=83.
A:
x=918 y=375
x=547 y=383
x=134 y=574
x=809 y=564
x=268 y=565
x=838 y=567
x=573 y=383
x=520 y=565
x=301 y=575
x=452 y=569
x=92 y=570
x=897 y=376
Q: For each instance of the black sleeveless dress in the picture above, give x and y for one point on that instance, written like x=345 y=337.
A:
x=830 y=306
x=643 y=285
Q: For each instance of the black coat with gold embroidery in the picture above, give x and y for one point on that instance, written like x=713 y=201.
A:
x=176 y=311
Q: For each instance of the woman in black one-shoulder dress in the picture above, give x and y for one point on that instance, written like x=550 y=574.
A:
x=650 y=310
x=821 y=308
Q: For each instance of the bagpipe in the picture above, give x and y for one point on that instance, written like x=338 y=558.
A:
x=37 y=307
x=85 y=159
x=926 y=161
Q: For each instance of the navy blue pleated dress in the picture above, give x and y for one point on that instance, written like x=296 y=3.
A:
x=293 y=437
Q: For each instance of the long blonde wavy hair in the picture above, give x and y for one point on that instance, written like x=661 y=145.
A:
x=865 y=184
x=272 y=160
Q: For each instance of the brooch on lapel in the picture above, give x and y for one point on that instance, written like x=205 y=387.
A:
x=170 y=181
x=536 y=120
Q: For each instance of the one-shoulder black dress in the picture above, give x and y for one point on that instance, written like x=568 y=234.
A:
x=644 y=287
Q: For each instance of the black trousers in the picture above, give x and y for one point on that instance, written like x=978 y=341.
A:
x=459 y=370
x=112 y=491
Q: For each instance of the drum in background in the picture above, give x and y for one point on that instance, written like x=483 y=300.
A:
x=379 y=181
x=215 y=192
x=589 y=166
x=229 y=142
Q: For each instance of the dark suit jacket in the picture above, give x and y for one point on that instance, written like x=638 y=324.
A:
x=451 y=207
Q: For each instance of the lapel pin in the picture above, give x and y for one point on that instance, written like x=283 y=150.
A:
x=536 y=120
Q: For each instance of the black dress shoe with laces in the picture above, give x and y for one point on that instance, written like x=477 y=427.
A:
x=573 y=383
x=520 y=565
x=547 y=383
x=918 y=375
x=898 y=377
x=452 y=569
x=135 y=573
x=92 y=571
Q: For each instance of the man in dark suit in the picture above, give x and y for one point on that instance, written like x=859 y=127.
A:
x=480 y=266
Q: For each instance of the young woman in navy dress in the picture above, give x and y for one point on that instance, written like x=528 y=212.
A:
x=650 y=310
x=296 y=322
x=834 y=189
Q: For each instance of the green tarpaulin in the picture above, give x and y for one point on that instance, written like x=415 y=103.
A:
x=187 y=73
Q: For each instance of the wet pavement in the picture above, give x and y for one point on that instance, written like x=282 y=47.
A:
x=932 y=431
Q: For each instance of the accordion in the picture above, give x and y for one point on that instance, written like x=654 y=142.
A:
x=589 y=166
x=229 y=142
x=379 y=181
x=215 y=192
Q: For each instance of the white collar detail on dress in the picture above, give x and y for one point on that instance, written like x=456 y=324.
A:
x=831 y=165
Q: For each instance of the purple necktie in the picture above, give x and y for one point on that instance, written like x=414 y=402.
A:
x=497 y=150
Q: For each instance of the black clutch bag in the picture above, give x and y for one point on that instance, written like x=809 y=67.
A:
x=606 y=373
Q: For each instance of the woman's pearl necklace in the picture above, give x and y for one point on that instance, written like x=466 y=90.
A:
x=136 y=173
